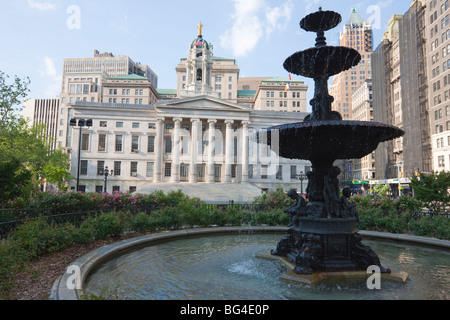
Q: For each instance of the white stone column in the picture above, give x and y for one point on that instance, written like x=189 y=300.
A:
x=194 y=151
x=158 y=149
x=176 y=151
x=245 y=151
x=228 y=150
x=210 y=166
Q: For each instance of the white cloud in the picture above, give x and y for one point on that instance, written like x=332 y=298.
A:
x=41 y=6
x=311 y=5
x=252 y=19
x=52 y=80
x=279 y=17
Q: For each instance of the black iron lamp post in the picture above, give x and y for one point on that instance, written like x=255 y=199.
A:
x=80 y=123
x=301 y=176
x=107 y=173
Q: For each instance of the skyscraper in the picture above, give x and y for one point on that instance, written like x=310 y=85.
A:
x=400 y=85
x=438 y=62
x=357 y=34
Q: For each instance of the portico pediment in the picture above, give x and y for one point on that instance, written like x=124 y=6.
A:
x=202 y=103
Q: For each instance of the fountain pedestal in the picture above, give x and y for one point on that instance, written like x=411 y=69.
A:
x=326 y=244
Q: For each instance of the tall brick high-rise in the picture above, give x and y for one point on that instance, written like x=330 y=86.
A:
x=357 y=34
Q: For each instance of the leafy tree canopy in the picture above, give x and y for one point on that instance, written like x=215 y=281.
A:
x=433 y=189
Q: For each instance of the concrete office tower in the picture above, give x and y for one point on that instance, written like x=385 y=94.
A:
x=438 y=62
x=362 y=110
x=83 y=79
x=357 y=34
x=400 y=92
x=44 y=112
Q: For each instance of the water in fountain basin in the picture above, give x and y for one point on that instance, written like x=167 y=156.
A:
x=225 y=267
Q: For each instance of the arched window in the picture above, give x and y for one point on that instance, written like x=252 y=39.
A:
x=199 y=74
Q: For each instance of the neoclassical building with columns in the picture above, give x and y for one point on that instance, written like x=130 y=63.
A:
x=202 y=140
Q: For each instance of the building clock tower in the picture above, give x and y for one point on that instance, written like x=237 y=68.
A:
x=199 y=67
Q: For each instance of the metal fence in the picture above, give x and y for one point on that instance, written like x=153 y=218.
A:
x=10 y=219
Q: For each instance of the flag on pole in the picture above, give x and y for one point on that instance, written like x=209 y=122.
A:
x=199 y=43
x=288 y=84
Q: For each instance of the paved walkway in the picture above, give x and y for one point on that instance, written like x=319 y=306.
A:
x=217 y=192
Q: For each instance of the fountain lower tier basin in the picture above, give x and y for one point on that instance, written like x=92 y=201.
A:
x=328 y=139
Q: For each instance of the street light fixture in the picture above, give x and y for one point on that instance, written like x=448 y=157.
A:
x=80 y=123
x=301 y=176
x=106 y=173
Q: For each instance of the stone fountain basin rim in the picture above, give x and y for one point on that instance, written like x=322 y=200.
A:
x=86 y=263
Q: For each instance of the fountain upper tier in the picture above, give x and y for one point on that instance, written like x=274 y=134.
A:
x=322 y=62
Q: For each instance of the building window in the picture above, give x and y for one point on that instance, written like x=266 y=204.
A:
x=151 y=144
x=117 y=167
x=279 y=175
x=119 y=124
x=102 y=142
x=168 y=169
x=116 y=188
x=150 y=166
x=98 y=189
x=100 y=167
x=134 y=143
x=103 y=124
x=441 y=162
x=133 y=169
x=184 y=145
x=168 y=144
x=135 y=125
x=250 y=171
x=184 y=172
x=264 y=171
x=119 y=143
x=233 y=171
x=85 y=142
x=83 y=167
x=293 y=172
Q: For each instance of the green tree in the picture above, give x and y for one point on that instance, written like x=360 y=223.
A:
x=56 y=170
x=11 y=98
x=28 y=143
x=14 y=179
x=433 y=189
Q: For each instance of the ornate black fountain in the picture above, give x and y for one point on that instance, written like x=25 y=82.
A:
x=323 y=234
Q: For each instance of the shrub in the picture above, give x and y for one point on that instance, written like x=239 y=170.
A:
x=108 y=225
x=141 y=222
x=274 y=200
x=166 y=218
x=407 y=203
x=37 y=237
x=86 y=233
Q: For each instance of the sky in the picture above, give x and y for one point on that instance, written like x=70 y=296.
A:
x=36 y=35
